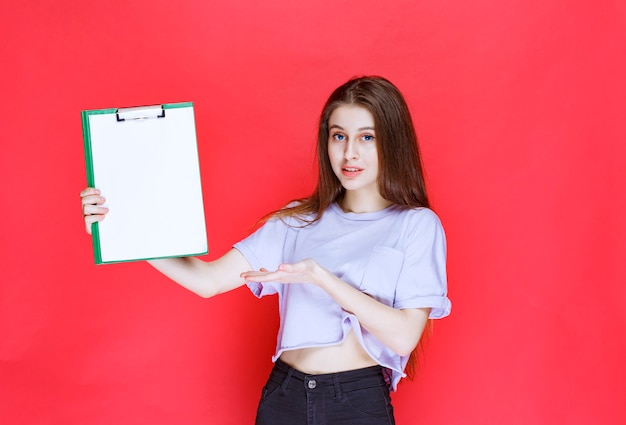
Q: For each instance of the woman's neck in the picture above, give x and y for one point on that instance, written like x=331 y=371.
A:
x=357 y=202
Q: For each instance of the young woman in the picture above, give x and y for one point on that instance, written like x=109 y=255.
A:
x=359 y=266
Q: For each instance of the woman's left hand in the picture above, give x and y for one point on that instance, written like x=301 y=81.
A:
x=305 y=271
x=398 y=329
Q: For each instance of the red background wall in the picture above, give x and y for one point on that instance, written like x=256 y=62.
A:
x=519 y=107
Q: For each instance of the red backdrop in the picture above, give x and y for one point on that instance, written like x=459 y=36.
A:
x=519 y=108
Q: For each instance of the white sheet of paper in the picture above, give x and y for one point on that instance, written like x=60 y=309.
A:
x=148 y=170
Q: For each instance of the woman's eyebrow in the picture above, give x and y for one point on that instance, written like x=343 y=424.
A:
x=358 y=129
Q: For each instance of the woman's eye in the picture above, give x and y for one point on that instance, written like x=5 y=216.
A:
x=368 y=137
x=339 y=137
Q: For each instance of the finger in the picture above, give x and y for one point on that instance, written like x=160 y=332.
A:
x=90 y=219
x=262 y=271
x=89 y=191
x=93 y=205
x=254 y=276
x=93 y=199
x=285 y=267
x=90 y=209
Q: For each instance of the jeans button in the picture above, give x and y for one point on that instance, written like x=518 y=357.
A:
x=312 y=384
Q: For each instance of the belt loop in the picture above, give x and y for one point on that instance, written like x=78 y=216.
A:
x=283 y=386
x=387 y=375
x=337 y=384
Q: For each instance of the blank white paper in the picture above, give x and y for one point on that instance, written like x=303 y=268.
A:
x=148 y=170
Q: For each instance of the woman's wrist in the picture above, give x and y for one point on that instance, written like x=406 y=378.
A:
x=322 y=277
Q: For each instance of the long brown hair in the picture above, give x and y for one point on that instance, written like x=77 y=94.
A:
x=401 y=176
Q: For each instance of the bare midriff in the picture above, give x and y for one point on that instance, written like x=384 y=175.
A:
x=348 y=355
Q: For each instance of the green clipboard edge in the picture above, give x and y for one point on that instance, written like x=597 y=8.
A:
x=91 y=181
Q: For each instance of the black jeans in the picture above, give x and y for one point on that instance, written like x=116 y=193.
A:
x=355 y=397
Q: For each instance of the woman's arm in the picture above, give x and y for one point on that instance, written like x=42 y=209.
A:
x=400 y=330
x=204 y=278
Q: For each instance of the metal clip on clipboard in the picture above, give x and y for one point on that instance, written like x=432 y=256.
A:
x=140 y=113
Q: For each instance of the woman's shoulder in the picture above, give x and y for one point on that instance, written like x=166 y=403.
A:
x=291 y=215
x=421 y=217
x=418 y=213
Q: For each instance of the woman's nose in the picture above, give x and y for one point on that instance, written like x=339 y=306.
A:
x=351 y=151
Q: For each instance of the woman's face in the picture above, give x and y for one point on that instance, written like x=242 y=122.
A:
x=352 y=149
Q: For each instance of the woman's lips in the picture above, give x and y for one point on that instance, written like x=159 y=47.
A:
x=351 y=171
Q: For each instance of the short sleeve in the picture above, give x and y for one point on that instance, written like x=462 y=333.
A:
x=423 y=282
x=265 y=248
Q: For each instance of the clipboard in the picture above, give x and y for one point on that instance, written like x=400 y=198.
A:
x=145 y=162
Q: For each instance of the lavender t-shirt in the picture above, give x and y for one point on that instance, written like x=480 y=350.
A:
x=397 y=256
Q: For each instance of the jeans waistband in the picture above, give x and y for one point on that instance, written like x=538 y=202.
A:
x=290 y=378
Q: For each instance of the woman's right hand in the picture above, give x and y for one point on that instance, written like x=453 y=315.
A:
x=93 y=210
